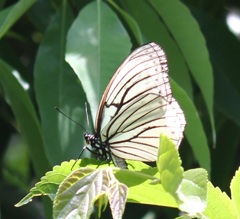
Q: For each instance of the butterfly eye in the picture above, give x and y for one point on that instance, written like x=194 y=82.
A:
x=136 y=107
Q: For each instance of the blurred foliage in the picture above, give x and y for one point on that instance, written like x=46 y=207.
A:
x=203 y=59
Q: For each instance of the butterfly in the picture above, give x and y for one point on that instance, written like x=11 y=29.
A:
x=136 y=107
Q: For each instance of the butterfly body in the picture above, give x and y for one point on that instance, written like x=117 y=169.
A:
x=100 y=149
x=136 y=107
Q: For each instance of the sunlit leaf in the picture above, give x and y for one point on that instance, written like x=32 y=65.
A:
x=235 y=190
x=219 y=205
x=169 y=165
x=192 y=191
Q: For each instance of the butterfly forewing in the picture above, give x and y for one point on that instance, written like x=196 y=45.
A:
x=137 y=106
x=138 y=75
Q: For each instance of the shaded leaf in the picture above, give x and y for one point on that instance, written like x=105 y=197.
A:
x=56 y=85
x=194 y=129
x=26 y=116
x=193 y=46
x=132 y=24
x=96 y=45
x=178 y=70
x=10 y=15
x=159 y=33
x=224 y=53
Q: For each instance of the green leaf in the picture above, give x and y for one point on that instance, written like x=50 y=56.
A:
x=159 y=33
x=186 y=217
x=96 y=45
x=192 y=192
x=57 y=85
x=235 y=190
x=77 y=194
x=75 y=197
x=10 y=15
x=132 y=24
x=49 y=183
x=141 y=180
x=16 y=159
x=26 y=116
x=35 y=15
x=189 y=188
x=143 y=187
x=194 y=128
x=169 y=165
x=219 y=205
x=192 y=45
x=101 y=202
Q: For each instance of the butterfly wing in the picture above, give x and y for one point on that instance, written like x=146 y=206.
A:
x=137 y=106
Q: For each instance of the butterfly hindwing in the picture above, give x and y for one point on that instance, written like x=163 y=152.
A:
x=138 y=130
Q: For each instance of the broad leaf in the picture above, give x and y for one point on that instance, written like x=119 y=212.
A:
x=96 y=46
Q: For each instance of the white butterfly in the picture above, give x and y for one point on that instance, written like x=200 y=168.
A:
x=136 y=107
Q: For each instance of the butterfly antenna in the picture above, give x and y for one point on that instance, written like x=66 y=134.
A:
x=56 y=108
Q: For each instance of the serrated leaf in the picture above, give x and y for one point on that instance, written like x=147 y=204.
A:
x=117 y=196
x=169 y=165
x=76 y=195
x=49 y=183
x=219 y=205
x=235 y=191
x=192 y=192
